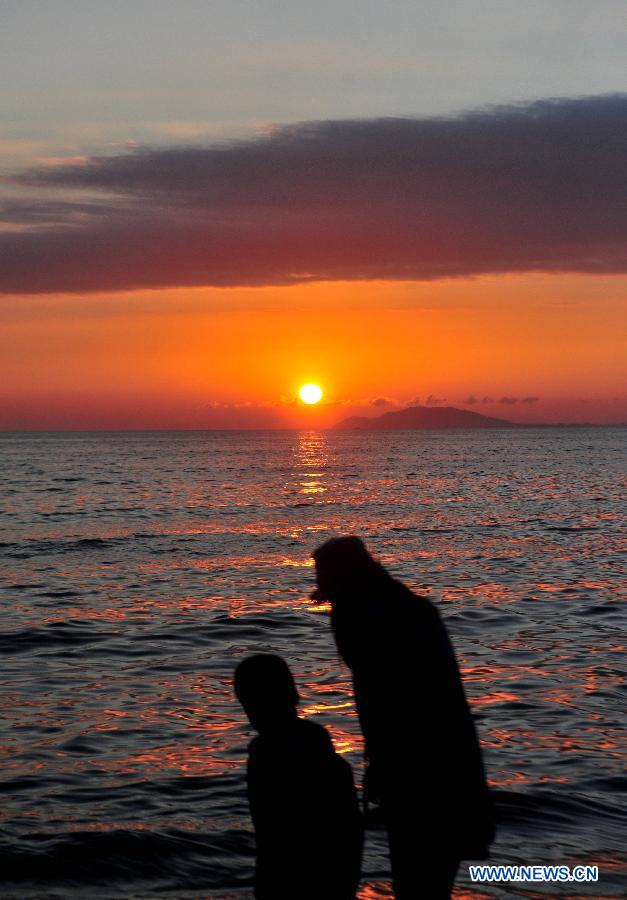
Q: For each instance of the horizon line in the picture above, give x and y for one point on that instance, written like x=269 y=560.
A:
x=507 y=426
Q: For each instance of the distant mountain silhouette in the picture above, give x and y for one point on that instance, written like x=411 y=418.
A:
x=425 y=417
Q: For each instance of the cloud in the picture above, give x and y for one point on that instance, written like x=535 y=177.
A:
x=510 y=401
x=472 y=400
x=539 y=187
x=381 y=401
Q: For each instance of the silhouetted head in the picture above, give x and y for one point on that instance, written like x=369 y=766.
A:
x=265 y=687
x=342 y=564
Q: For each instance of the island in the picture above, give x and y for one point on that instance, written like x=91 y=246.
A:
x=415 y=417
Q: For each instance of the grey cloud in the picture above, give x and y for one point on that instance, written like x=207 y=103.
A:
x=471 y=400
x=527 y=188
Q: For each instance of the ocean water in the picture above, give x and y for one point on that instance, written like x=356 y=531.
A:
x=137 y=569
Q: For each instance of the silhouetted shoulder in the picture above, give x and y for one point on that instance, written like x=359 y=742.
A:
x=303 y=737
x=384 y=621
x=315 y=735
x=412 y=602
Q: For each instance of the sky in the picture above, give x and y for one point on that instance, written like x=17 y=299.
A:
x=204 y=205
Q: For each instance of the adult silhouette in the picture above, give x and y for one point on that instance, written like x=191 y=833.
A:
x=423 y=756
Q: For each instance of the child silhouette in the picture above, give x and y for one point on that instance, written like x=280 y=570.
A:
x=302 y=798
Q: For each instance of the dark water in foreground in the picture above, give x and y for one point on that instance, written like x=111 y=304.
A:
x=138 y=568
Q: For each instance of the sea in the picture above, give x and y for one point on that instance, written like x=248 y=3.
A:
x=137 y=569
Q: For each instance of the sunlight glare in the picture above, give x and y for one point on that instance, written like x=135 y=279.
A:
x=310 y=394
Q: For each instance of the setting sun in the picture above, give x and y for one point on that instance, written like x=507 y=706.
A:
x=310 y=393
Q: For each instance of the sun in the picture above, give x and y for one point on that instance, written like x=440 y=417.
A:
x=310 y=393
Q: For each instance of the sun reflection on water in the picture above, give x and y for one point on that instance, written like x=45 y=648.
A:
x=310 y=463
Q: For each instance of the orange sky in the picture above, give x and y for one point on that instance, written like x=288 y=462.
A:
x=434 y=142
x=236 y=357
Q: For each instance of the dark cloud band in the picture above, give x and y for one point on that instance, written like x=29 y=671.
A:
x=532 y=188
